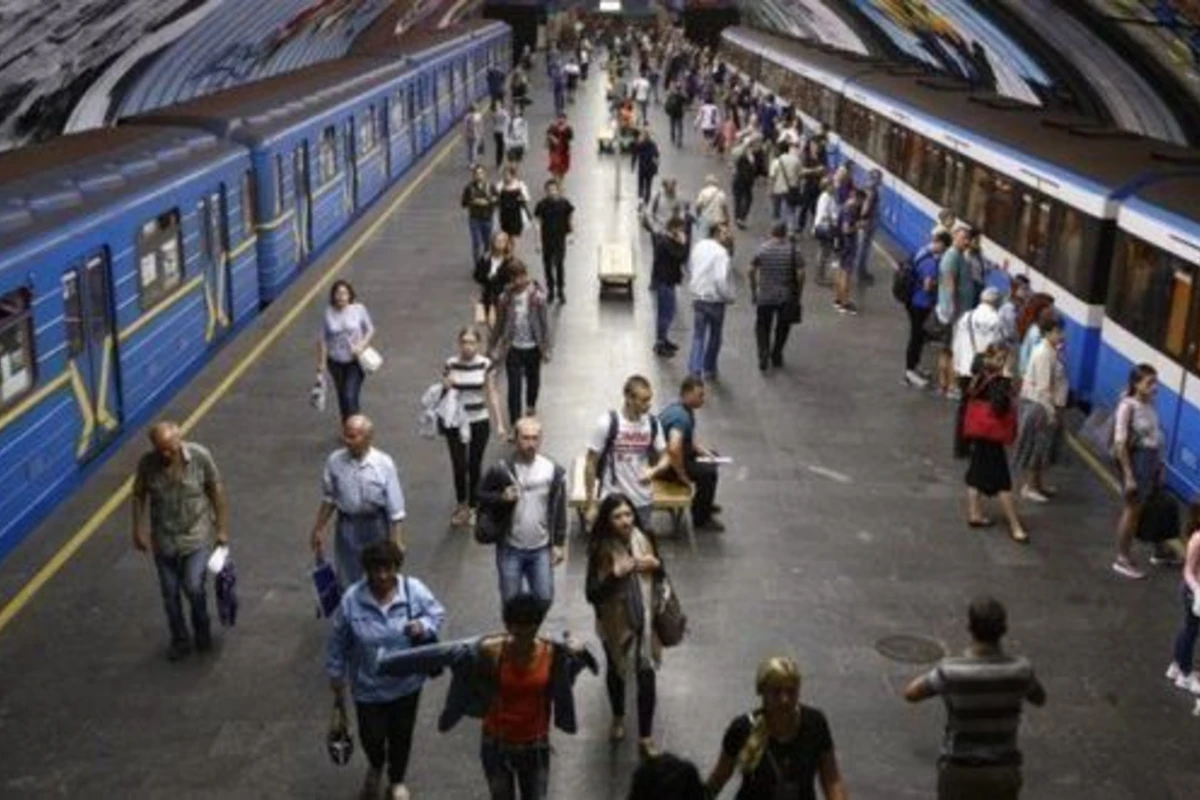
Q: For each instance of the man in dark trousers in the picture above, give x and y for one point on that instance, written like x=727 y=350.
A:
x=645 y=161
x=554 y=215
x=676 y=107
x=666 y=273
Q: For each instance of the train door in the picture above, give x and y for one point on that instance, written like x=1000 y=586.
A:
x=214 y=245
x=349 y=136
x=301 y=191
x=92 y=352
x=1182 y=327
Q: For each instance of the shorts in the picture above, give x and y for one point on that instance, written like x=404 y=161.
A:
x=709 y=133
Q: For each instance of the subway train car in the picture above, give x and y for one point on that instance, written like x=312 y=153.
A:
x=1153 y=316
x=128 y=255
x=1045 y=189
x=125 y=257
x=326 y=141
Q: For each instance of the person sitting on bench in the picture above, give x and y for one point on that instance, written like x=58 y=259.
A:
x=679 y=423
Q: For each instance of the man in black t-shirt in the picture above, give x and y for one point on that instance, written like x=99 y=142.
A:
x=553 y=213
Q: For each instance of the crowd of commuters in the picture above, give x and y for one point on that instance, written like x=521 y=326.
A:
x=999 y=357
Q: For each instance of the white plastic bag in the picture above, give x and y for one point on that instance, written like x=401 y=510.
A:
x=216 y=561
x=318 y=394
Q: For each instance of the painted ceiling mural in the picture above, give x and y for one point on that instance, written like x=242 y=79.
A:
x=805 y=19
x=68 y=65
x=954 y=37
x=1169 y=30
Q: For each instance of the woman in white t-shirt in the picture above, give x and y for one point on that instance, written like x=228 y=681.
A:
x=346 y=331
x=708 y=121
x=1137 y=442
x=469 y=373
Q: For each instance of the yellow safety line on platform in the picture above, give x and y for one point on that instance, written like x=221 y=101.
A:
x=101 y=515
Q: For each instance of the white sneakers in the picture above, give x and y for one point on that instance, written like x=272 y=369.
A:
x=1033 y=495
x=1126 y=569
x=1188 y=682
x=399 y=792
x=915 y=379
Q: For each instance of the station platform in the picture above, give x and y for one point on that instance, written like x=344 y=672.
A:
x=845 y=524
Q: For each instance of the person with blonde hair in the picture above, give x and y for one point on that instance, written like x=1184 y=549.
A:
x=781 y=748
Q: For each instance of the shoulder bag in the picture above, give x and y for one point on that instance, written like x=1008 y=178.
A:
x=370 y=360
x=670 y=623
x=983 y=422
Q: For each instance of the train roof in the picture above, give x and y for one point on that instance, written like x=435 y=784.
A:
x=1001 y=132
x=1166 y=213
x=44 y=187
x=1071 y=146
x=263 y=109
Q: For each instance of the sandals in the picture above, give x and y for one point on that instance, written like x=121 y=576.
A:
x=1019 y=536
x=986 y=522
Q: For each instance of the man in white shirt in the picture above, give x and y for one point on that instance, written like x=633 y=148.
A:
x=785 y=177
x=711 y=286
x=639 y=89
x=708 y=121
x=625 y=452
x=974 y=333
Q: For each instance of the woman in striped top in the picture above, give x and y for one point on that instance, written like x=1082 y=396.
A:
x=470 y=374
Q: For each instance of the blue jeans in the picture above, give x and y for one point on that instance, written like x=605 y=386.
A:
x=1185 y=642
x=664 y=300
x=531 y=567
x=184 y=573
x=347 y=382
x=481 y=237
x=863 y=252
x=708 y=319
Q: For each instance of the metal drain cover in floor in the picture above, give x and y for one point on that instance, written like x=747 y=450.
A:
x=910 y=649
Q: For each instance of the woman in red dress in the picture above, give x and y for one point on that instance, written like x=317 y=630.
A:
x=558 y=141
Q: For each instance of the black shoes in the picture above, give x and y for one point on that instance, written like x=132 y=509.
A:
x=179 y=649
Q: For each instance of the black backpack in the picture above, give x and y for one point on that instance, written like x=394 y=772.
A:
x=604 y=460
x=904 y=282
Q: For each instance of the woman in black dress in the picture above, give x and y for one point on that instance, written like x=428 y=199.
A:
x=987 y=473
x=782 y=749
x=513 y=203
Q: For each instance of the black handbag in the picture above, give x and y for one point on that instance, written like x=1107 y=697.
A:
x=670 y=623
x=492 y=521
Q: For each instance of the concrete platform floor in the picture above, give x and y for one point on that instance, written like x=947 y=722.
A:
x=845 y=526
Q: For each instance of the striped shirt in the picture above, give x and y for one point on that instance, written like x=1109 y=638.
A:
x=983 y=696
x=470 y=379
x=775 y=265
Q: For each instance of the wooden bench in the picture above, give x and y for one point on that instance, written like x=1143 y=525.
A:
x=670 y=496
x=614 y=267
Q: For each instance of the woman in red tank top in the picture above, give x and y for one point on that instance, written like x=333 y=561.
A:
x=516 y=730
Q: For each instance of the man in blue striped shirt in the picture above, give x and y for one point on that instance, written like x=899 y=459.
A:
x=984 y=691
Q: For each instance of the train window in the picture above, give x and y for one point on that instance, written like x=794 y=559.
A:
x=397 y=109
x=327 y=166
x=1000 y=211
x=933 y=176
x=956 y=182
x=914 y=160
x=1075 y=238
x=249 y=199
x=1141 y=288
x=978 y=186
x=16 y=346
x=881 y=135
x=1032 y=236
x=72 y=312
x=280 y=190
x=1177 y=308
x=160 y=261
x=368 y=129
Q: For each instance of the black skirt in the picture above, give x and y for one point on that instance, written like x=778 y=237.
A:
x=988 y=470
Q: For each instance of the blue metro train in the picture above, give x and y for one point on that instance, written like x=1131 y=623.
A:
x=128 y=255
x=1106 y=221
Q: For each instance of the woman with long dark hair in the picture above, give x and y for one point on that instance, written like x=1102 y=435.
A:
x=346 y=331
x=623 y=563
x=1137 y=441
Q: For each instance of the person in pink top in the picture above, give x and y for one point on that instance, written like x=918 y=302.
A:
x=1182 y=670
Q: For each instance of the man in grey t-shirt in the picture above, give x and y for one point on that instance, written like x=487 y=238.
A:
x=527 y=495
